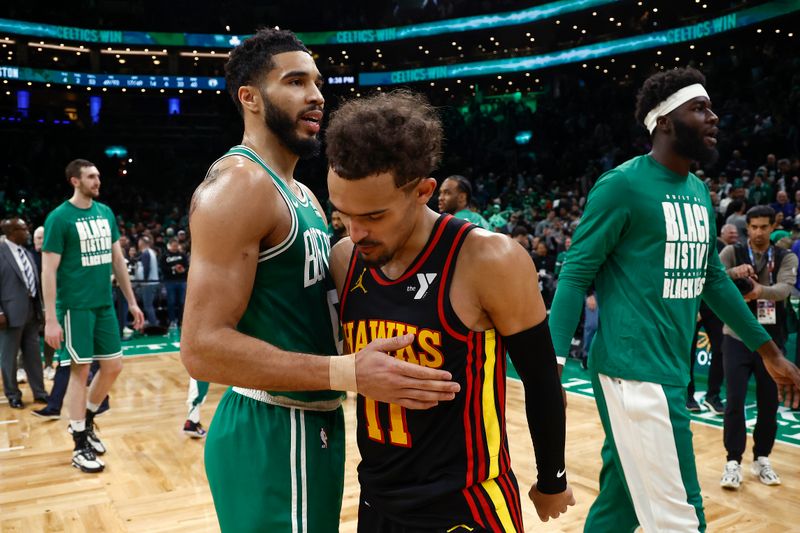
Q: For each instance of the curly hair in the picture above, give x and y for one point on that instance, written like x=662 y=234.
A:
x=253 y=58
x=398 y=132
x=661 y=85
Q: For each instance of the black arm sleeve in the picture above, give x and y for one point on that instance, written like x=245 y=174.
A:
x=534 y=359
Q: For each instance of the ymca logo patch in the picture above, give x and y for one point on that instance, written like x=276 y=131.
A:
x=425 y=281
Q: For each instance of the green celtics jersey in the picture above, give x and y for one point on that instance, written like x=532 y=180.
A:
x=647 y=239
x=475 y=218
x=83 y=238
x=292 y=305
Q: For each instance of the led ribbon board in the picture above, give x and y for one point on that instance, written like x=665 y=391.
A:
x=208 y=40
x=708 y=28
x=85 y=79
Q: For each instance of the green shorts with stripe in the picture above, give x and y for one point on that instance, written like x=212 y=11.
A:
x=273 y=468
x=649 y=477
x=89 y=335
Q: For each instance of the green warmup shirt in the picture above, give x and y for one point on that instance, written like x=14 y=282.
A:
x=292 y=304
x=83 y=238
x=647 y=239
x=475 y=218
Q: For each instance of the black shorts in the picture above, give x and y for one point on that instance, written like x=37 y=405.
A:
x=370 y=520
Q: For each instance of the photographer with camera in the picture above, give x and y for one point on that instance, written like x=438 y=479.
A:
x=764 y=274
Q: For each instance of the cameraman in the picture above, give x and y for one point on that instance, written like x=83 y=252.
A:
x=764 y=274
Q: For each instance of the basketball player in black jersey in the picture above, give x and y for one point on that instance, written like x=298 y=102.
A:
x=468 y=296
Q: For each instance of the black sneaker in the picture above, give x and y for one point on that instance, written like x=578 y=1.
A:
x=714 y=404
x=693 y=406
x=94 y=440
x=83 y=456
x=48 y=413
x=194 y=430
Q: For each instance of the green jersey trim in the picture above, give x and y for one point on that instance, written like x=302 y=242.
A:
x=276 y=250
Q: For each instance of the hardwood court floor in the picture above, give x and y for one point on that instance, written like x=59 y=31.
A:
x=154 y=479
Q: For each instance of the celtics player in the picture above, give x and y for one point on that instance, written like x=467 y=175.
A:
x=647 y=240
x=80 y=252
x=259 y=310
x=469 y=296
x=455 y=195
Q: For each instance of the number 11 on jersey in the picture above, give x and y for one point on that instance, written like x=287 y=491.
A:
x=398 y=428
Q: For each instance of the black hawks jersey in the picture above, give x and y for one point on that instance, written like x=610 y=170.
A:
x=449 y=465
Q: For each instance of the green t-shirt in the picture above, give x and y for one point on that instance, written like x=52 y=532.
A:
x=475 y=218
x=83 y=238
x=647 y=239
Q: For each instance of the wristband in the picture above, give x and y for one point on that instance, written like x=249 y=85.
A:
x=342 y=372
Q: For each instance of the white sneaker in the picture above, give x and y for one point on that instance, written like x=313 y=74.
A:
x=731 y=476
x=22 y=377
x=763 y=469
x=49 y=373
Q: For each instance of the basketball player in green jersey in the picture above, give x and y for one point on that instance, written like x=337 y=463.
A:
x=80 y=251
x=647 y=240
x=260 y=310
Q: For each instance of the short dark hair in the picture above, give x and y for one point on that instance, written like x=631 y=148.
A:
x=661 y=86
x=761 y=211
x=518 y=230
x=74 y=167
x=463 y=185
x=398 y=132
x=253 y=57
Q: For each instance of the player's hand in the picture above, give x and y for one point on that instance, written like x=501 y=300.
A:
x=3 y=321
x=787 y=377
x=551 y=505
x=53 y=334
x=138 y=317
x=384 y=378
x=591 y=302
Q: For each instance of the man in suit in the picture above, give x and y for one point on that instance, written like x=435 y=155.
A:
x=38 y=240
x=20 y=313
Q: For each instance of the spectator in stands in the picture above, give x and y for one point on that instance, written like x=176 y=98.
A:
x=546 y=266
x=736 y=165
x=723 y=186
x=544 y=224
x=782 y=205
x=737 y=218
x=147 y=278
x=764 y=274
x=521 y=235
x=175 y=267
x=760 y=192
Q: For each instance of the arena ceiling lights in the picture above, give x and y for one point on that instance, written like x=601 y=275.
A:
x=693 y=32
x=207 y=40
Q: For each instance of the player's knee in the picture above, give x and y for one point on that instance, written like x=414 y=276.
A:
x=111 y=367
x=79 y=371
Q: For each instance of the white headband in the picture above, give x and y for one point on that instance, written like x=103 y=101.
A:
x=670 y=104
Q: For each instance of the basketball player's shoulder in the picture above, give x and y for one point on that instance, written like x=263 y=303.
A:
x=234 y=182
x=486 y=252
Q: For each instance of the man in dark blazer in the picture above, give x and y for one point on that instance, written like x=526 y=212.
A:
x=20 y=313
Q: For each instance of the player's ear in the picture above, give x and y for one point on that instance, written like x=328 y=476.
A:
x=250 y=98
x=425 y=189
